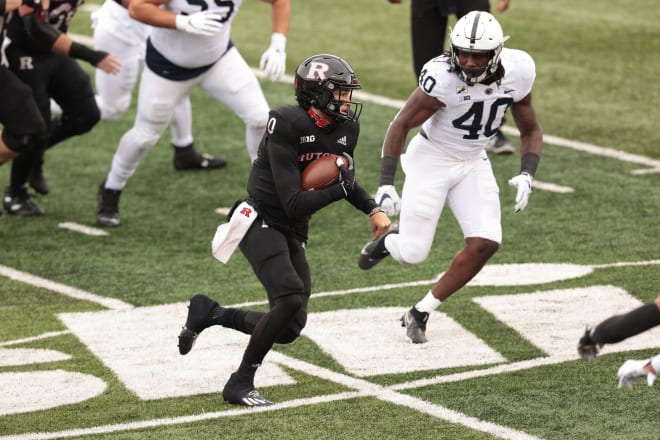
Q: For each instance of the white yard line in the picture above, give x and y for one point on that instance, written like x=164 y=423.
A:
x=34 y=338
x=83 y=229
x=27 y=278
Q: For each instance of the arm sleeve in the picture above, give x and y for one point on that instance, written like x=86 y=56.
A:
x=361 y=199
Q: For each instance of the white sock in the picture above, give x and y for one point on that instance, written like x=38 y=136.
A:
x=428 y=304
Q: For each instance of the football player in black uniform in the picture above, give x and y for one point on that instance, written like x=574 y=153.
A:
x=41 y=55
x=23 y=125
x=325 y=121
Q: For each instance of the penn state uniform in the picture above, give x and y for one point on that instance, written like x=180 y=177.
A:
x=116 y=32
x=452 y=146
x=177 y=61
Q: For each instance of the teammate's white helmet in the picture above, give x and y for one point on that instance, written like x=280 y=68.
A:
x=477 y=31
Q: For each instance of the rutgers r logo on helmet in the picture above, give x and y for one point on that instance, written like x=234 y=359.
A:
x=317 y=70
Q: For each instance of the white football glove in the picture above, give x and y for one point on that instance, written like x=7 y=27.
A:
x=273 y=61
x=388 y=199
x=206 y=23
x=523 y=182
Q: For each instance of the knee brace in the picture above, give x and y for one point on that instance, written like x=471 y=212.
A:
x=24 y=142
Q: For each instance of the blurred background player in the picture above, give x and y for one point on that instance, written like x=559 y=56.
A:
x=428 y=26
x=617 y=328
x=275 y=243
x=23 y=125
x=189 y=46
x=115 y=31
x=460 y=102
x=41 y=55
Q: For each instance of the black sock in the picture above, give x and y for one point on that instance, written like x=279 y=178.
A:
x=620 y=327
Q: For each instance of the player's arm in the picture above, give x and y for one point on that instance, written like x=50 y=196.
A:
x=280 y=15
x=531 y=135
x=417 y=109
x=149 y=12
x=287 y=178
x=205 y=23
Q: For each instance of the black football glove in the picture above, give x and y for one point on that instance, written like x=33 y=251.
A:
x=346 y=174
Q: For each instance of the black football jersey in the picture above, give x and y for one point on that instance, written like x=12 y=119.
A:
x=59 y=16
x=293 y=140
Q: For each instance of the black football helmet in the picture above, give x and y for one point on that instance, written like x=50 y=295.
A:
x=316 y=80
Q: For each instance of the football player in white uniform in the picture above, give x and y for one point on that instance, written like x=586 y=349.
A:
x=116 y=32
x=460 y=103
x=189 y=46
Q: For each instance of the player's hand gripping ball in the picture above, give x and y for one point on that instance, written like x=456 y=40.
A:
x=322 y=172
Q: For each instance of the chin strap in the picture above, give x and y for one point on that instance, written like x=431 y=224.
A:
x=321 y=123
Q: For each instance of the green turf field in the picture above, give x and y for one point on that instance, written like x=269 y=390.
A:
x=89 y=323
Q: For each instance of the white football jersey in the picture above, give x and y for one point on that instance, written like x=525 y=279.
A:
x=190 y=51
x=473 y=113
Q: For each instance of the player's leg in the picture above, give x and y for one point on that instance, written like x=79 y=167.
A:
x=280 y=264
x=23 y=126
x=232 y=82
x=619 y=327
x=154 y=112
x=113 y=33
x=473 y=198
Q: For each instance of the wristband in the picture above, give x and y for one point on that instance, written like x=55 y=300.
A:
x=529 y=163
x=375 y=211
x=84 y=53
x=387 y=170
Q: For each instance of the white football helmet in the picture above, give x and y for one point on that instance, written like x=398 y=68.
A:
x=477 y=31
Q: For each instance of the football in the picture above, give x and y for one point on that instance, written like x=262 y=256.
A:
x=322 y=172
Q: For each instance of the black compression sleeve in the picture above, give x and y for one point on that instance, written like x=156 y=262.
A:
x=84 y=53
x=3 y=6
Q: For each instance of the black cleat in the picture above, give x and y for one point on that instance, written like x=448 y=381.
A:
x=415 y=323
x=375 y=250
x=587 y=348
x=18 y=202
x=239 y=392
x=199 y=313
x=107 y=206
x=500 y=144
x=187 y=158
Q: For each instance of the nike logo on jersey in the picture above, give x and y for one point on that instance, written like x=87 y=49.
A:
x=342 y=141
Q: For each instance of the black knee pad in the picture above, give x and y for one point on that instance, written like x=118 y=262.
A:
x=25 y=142
x=296 y=304
x=86 y=116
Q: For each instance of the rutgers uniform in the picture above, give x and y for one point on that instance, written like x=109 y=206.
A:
x=23 y=125
x=274 y=242
x=291 y=142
